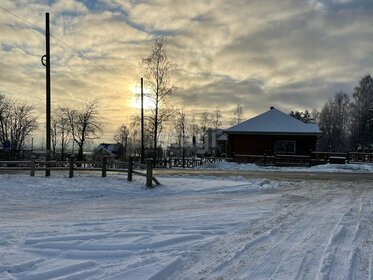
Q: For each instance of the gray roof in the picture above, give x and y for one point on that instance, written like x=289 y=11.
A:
x=274 y=122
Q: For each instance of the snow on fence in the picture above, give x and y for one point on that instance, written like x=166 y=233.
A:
x=72 y=165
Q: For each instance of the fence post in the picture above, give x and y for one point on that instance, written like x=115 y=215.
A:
x=265 y=159
x=130 y=169
x=329 y=151
x=149 y=173
x=71 y=166
x=32 y=167
x=348 y=157
x=104 y=165
x=310 y=157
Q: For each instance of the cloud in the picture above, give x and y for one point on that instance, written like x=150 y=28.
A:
x=69 y=6
x=291 y=54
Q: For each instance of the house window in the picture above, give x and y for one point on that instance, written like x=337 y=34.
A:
x=287 y=147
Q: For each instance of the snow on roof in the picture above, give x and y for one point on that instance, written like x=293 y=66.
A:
x=112 y=149
x=222 y=137
x=274 y=122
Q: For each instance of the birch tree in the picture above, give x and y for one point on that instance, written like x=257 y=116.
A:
x=237 y=115
x=158 y=69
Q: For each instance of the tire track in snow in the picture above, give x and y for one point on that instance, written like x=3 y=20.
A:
x=361 y=253
x=350 y=244
x=225 y=249
x=283 y=257
x=225 y=253
x=278 y=251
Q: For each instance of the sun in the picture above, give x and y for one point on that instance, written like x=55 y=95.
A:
x=136 y=98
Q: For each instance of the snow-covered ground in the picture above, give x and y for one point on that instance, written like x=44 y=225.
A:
x=317 y=168
x=90 y=227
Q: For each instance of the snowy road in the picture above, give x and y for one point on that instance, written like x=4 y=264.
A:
x=320 y=234
x=189 y=228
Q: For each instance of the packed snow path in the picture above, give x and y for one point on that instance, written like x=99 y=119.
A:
x=189 y=228
x=327 y=234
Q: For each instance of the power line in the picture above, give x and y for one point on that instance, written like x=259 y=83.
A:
x=81 y=55
x=20 y=18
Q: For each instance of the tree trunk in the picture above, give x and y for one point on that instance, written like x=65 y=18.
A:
x=155 y=131
x=80 y=152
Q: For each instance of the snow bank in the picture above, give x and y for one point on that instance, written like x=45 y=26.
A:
x=230 y=166
x=318 y=168
x=343 y=168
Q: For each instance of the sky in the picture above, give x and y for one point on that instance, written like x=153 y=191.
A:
x=291 y=54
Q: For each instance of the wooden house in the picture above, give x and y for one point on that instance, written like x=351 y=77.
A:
x=272 y=132
x=114 y=151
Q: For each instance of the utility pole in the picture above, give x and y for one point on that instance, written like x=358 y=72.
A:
x=142 y=121
x=46 y=62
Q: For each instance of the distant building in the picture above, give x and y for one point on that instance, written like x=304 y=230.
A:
x=111 y=150
x=272 y=132
x=215 y=142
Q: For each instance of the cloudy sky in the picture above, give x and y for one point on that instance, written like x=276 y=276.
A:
x=291 y=54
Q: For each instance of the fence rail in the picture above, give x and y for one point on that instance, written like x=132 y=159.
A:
x=186 y=162
x=104 y=166
x=313 y=158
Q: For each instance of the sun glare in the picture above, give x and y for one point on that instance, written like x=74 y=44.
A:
x=136 y=100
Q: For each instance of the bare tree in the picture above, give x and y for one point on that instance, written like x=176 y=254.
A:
x=64 y=134
x=158 y=70
x=315 y=115
x=341 y=118
x=60 y=133
x=217 y=119
x=180 y=127
x=5 y=112
x=204 y=123
x=335 y=122
x=134 y=135
x=194 y=129
x=121 y=136
x=83 y=123
x=17 y=121
x=237 y=115
x=326 y=125
x=362 y=114
x=54 y=123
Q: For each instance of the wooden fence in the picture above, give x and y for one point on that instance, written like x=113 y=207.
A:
x=314 y=158
x=186 y=162
x=72 y=165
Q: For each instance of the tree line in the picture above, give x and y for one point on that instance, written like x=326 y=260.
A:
x=346 y=123
x=18 y=121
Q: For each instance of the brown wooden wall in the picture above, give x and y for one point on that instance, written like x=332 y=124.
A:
x=241 y=144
